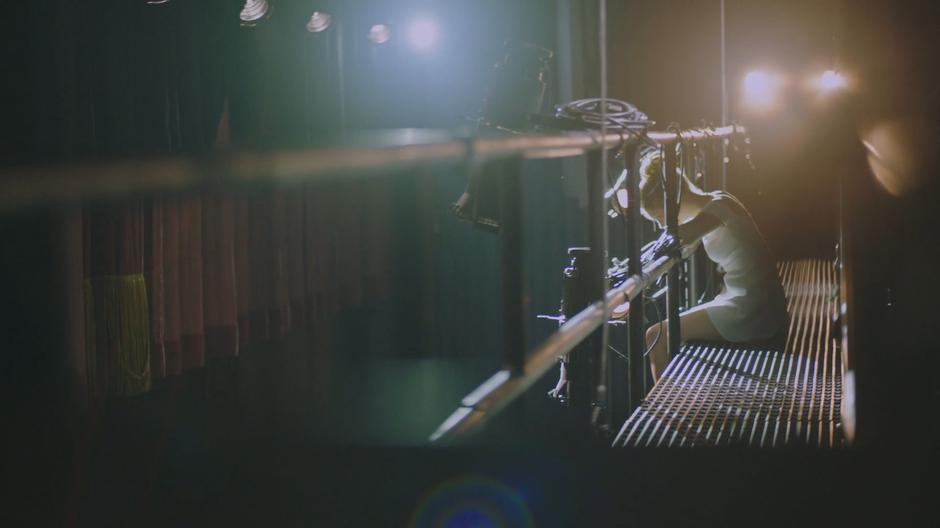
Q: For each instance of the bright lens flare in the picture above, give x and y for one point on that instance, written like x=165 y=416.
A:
x=379 y=34
x=830 y=81
x=318 y=22
x=761 y=89
x=253 y=11
x=423 y=34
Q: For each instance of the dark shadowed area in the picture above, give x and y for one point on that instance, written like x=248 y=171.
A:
x=279 y=354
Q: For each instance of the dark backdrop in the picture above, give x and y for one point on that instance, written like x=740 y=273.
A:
x=445 y=273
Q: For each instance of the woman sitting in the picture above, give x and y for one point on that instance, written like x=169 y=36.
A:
x=751 y=304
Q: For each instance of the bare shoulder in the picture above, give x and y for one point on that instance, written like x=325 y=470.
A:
x=727 y=203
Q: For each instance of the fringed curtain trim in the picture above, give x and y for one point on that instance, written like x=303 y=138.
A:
x=118 y=335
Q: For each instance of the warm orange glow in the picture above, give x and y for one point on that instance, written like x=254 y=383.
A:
x=898 y=153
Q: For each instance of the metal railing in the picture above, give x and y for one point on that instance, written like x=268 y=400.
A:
x=24 y=187
x=521 y=371
x=75 y=183
x=502 y=388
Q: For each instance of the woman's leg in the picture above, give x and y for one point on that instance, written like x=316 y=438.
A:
x=694 y=323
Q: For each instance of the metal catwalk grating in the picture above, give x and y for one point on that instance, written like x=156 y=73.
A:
x=734 y=394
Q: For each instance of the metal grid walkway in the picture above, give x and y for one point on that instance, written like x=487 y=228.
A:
x=732 y=394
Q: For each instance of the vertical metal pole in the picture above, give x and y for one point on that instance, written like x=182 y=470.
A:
x=692 y=283
x=596 y=269
x=579 y=360
x=724 y=101
x=713 y=162
x=672 y=226
x=636 y=329
x=599 y=215
x=515 y=298
x=340 y=59
x=580 y=365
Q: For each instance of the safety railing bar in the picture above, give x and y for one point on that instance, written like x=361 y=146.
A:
x=500 y=390
x=23 y=187
x=632 y=287
x=540 y=361
x=488 y=387
x=695 y=134
x=34 y=186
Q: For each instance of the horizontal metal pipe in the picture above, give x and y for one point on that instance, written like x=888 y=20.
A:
x=696 y=134
x=24 y=187
x=500 y=390
x=632 y=287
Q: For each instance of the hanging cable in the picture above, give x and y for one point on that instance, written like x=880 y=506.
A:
x=619 y=353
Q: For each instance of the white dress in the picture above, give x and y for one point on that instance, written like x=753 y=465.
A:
x=751 y=305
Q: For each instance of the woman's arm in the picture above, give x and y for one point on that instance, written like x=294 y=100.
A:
x=691 y=231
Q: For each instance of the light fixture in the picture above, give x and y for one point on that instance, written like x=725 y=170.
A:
x=253 y=11
x=830 y=81
x=761 y=89
x=423 y=34
x=319 y=21
x=379 y=34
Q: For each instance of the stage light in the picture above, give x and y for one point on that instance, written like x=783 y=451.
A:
x=761 y=89
x=253 y=11
x=830 y=81
x=379 y=33
x=319 y=21
x=423 y=34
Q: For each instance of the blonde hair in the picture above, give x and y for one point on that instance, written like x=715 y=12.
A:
x=651 y=182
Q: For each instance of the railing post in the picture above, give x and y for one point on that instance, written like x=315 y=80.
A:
x=637 y=322
x=597 y=272
x=713 y=175
x=586 y=366
x=671 y=207
x=515 y=299
x=694 y=267
x=575 y=299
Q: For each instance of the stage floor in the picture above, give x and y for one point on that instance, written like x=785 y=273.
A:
x=768 y=396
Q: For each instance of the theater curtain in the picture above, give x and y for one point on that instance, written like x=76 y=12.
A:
x=174 y=280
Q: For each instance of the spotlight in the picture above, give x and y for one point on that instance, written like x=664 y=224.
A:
x=319 y=21
x=379 y=33
x=423 y=33
x=830 y=81
x=761 y=89
x=253 y=11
